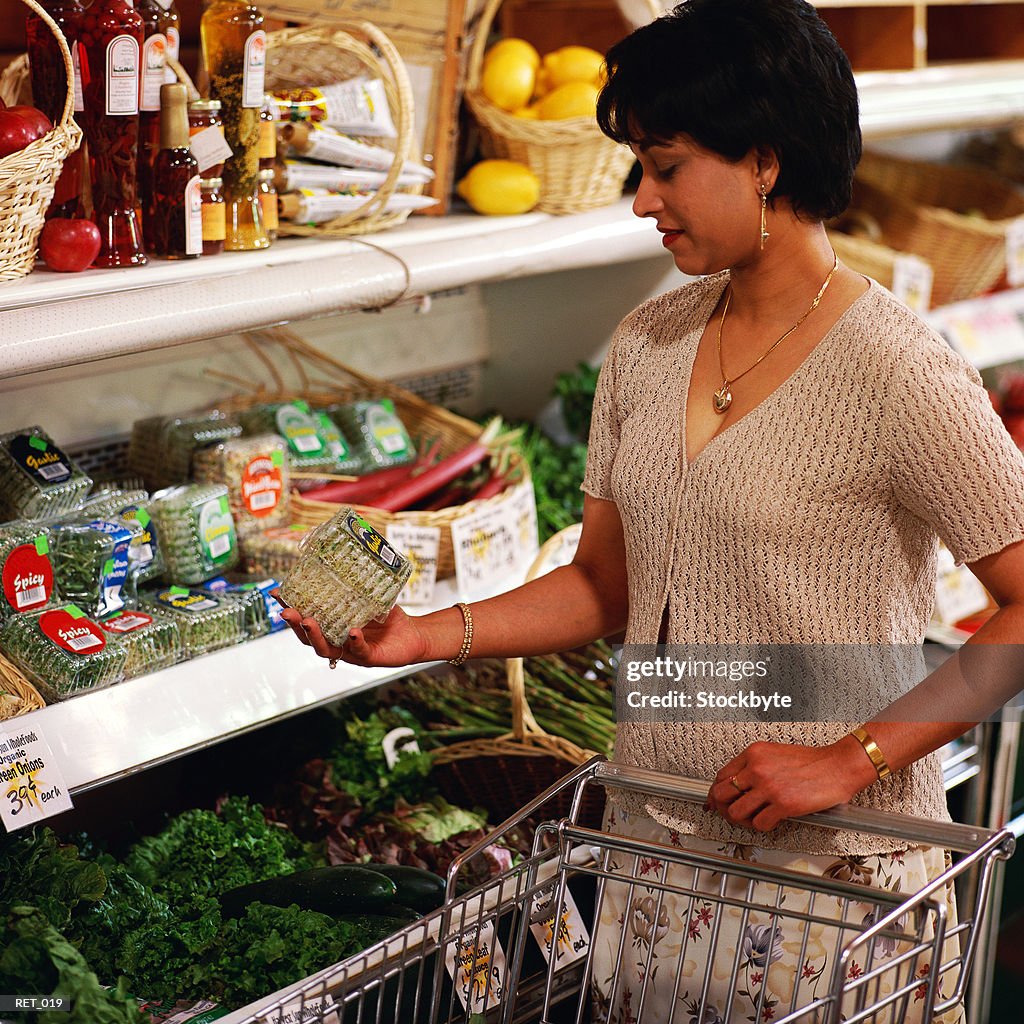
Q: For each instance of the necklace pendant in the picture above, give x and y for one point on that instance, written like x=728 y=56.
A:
x=723 y=398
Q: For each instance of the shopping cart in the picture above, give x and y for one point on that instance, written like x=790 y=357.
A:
x=495 y=953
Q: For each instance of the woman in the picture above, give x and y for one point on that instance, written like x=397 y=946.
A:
x=775 y=448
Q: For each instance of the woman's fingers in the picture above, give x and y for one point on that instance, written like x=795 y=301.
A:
x=319 y=642
x=294 y=620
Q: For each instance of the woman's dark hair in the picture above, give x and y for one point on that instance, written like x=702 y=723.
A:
x=736 y=75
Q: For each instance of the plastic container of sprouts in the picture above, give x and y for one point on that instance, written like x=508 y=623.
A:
x=90 y=561
x=255 y=472
x=37 y=479
x=347 y=575
x=206 y=622
x=261 y=611
x=132 y=508
x=273 y=552
x=152 y=641
x=26 y=570
x=309 y=448
x=161 y=447
x=197 y=532
x=63 y=652
x=377 y=436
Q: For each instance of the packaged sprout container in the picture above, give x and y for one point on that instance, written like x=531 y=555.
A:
x=273 y=552
x=37 y=480
x=378 y=437
x=197 y=532
x=26 y=571
x=346 y=460
x=205 y=622
x=145 y=558
x=151 y=641
x=261 y=611
x=90 y=561
x=63 y=652
x=161 y=447
x=346 y=575
x=255 y=472
x=308 y=449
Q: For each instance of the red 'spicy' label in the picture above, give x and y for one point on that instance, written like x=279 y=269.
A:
x=126 y=622
x=76 y=634
x=261 y=486
x=27 y=578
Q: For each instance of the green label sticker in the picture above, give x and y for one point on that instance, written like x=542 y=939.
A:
x=224 y=505
x=108 y=567
x=248 y=586
x=142 y=517
x=42 y=545
x=74 y=611
x=277 y=457
x=37 y=442
x=179 y=591
x=302 y=404
x=388 y=404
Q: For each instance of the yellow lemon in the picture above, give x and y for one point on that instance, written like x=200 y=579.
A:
x=507 y=81
x=530 y=112
x=541 y=85
x=500 y=187
x=520 y=47
x=574 y=99
x=573 y=64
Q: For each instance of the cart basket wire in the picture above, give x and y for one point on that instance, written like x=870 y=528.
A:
x=495 y=954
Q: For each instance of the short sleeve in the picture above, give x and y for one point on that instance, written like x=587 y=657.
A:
x=604 y=432
x=953 y=463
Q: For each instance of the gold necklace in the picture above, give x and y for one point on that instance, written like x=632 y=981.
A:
x=723 y=396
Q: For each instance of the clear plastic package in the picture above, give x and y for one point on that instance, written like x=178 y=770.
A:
x=145 y=557
x=26 y=570
x=62 y=652
x=308 y=449
x=346 y=575
x=347 y=461
x=205 y=621
x=273 y=552
x=377 y=436
x=37 y=479
x=196 y=530
x=151 y=641
x=161 y=447
x=261 y=611
x=90 y=561
x=255 y=472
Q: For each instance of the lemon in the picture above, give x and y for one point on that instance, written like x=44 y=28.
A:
x=530 y=112
x=500 y=187
x=574 y=99
x=508 y=80
x=573 y=64
x=520 y=47
x=541 y=85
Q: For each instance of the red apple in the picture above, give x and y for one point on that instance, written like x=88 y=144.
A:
x=16 y=132
x=36 y=118
x=69 y=245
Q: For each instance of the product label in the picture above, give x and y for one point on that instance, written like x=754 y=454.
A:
x=173 y=49
x=298 y=428
x=27 y=577
x=154 y=65
x=421 y=545
x=76 y=64
x=123 y=75
x=267 y=149
x=70 y=630
x=215 y=222
x=127 y=622
x=332 y=148
x=184 y=600
x=387 y=428
x=332 y=435
x=216 y=531
x=44 y=462
x=194 y=217
x=253 y=69
x=262 y=486
x=32 y=786
x=358 y=106
x=373 y=542
x=143 y=548
x=115 y=571
x=209 y=146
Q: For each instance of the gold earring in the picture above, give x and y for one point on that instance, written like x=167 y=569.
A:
x=764 y=205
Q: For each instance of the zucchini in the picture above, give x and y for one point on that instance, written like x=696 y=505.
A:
x=417 y=888
x=340 y=890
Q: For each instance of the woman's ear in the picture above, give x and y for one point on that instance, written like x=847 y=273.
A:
x=766 y=165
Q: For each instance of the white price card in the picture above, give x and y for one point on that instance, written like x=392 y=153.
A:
x=32 y=786
x=573 y=939
x=476 y=963
x=420 y=544
x=321 y=1009
x=958 y=592
x=912 y=282
x=486 y=550
x=523 y=509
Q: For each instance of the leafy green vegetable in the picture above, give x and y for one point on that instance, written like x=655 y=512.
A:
x=576 y=391
x=557 y=472
x=437 y=820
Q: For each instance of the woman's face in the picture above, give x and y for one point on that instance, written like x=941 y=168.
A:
x=707 y=208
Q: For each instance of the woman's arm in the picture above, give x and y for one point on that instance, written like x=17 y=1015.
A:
x=566 y=608
x=785 y=781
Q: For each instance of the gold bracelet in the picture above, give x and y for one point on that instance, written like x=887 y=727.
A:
x=467 y=637
x=871 y=749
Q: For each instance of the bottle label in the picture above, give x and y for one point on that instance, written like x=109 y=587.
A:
x=28 y=577
x=173 y=49
x=44 y=462
x=368 y=538
x=123 y=75
x=209 y=146
x=268 y=140
x=299 y=429
x=127 y=622
x=254 y=68
x=216 y=531
x=215 y=222
x=76 y=64
x=70 y=630
x=154 y=64
x=194 y=217
x=387 y=428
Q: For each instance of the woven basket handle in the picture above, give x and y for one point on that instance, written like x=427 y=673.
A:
x=69 y=67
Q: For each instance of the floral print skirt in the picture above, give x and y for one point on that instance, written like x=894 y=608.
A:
x=759 y=966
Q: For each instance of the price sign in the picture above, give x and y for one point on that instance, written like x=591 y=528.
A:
x=32 y=786
x=303 y=1010
x=420 y=544
x=572 y=939
x=486 y=550
x=912 y=282
x=476 y=963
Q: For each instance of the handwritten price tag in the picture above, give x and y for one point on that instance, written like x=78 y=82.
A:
x=420 y=544
x=572 y=941
x=476 y=963
x=31 y=784
x=912 y=282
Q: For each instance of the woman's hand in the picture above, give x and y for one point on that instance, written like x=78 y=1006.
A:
x=768 y=782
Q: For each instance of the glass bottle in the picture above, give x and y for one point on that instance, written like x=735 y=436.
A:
x=213 y=216
x=204 y=115
x=175 y=227
x=268 y=133
x=268 y=202
x=234 y=52
x=50 y=89
x=110 y=49
x=170 y=25
x=154 y=67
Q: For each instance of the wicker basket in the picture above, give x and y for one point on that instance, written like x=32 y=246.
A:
x=28 y=177
x=872 y=259
x=323 y=55
x=578 y=167
x=15 y=684
x=921 y=208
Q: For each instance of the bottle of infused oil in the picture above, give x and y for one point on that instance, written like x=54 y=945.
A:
x=154 y=67
x=234 y=51
x=175 y=227
x=170 y=25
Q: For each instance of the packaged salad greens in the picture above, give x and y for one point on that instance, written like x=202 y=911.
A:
x=63 y=652
x=145 y=558
x=90 y=562
x=37 y=480
x=346 y=575
x=161 y=447
x=255 y=472
x=151 y=641
x=273 y=552
x=377 y=436
x=309 y=449
x=26 y=571
x=205 y=621
x=196 y=530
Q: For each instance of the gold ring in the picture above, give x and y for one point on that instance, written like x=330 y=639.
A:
x=736 y=785
x=334 y=662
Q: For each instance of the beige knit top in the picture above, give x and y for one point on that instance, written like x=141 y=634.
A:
x=812 y=519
